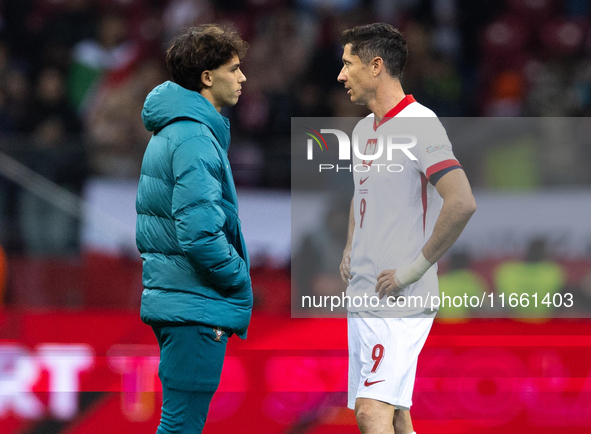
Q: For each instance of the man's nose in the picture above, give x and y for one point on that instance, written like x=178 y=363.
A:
x=341 y=77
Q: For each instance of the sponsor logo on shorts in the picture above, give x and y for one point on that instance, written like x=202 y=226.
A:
x=369 y=383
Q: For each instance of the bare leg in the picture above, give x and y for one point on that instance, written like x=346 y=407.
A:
x=374 y=417
x=402 y=422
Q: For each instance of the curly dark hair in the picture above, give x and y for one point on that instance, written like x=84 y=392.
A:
x=201 y=48
x=378 y=40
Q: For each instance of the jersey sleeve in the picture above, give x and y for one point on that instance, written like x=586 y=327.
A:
x=433 y=150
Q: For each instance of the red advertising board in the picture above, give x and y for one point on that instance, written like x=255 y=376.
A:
x=89 y=372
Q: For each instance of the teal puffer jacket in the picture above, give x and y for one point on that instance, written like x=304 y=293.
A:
x=195 y=263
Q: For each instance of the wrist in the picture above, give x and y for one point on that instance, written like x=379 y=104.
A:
x=408 y=274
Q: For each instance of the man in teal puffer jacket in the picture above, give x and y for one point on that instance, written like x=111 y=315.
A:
x=197 y=288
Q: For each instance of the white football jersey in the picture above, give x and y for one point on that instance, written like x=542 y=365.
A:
x=395 y=205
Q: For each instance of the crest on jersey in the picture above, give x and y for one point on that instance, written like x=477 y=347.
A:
x=370 y=149
x=218 y=333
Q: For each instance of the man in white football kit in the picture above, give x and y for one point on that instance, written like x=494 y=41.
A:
x=412 y=200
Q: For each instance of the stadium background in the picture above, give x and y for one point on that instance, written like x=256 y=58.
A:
x=74 y=357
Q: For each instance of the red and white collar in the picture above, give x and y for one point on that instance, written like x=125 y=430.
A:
x=404 y=102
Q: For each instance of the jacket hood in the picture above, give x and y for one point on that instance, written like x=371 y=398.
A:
x=170 y=102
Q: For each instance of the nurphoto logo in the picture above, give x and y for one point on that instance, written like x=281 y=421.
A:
x=374 y=148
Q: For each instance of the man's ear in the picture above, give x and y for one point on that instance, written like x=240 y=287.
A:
x=377 y=65
x=206 y=78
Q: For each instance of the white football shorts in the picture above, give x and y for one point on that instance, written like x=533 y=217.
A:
x=383 y=354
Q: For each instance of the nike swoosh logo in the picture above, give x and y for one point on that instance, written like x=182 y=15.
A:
x=361 y=181
x=368 y=383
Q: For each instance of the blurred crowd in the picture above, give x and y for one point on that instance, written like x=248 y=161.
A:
x=75 y=73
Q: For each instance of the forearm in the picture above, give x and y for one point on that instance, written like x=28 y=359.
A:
x=351 y=227
x=451 y=222
x=458 y=207
x=345 y=266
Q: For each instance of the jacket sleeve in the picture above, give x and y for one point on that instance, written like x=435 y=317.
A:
x=199 y=217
